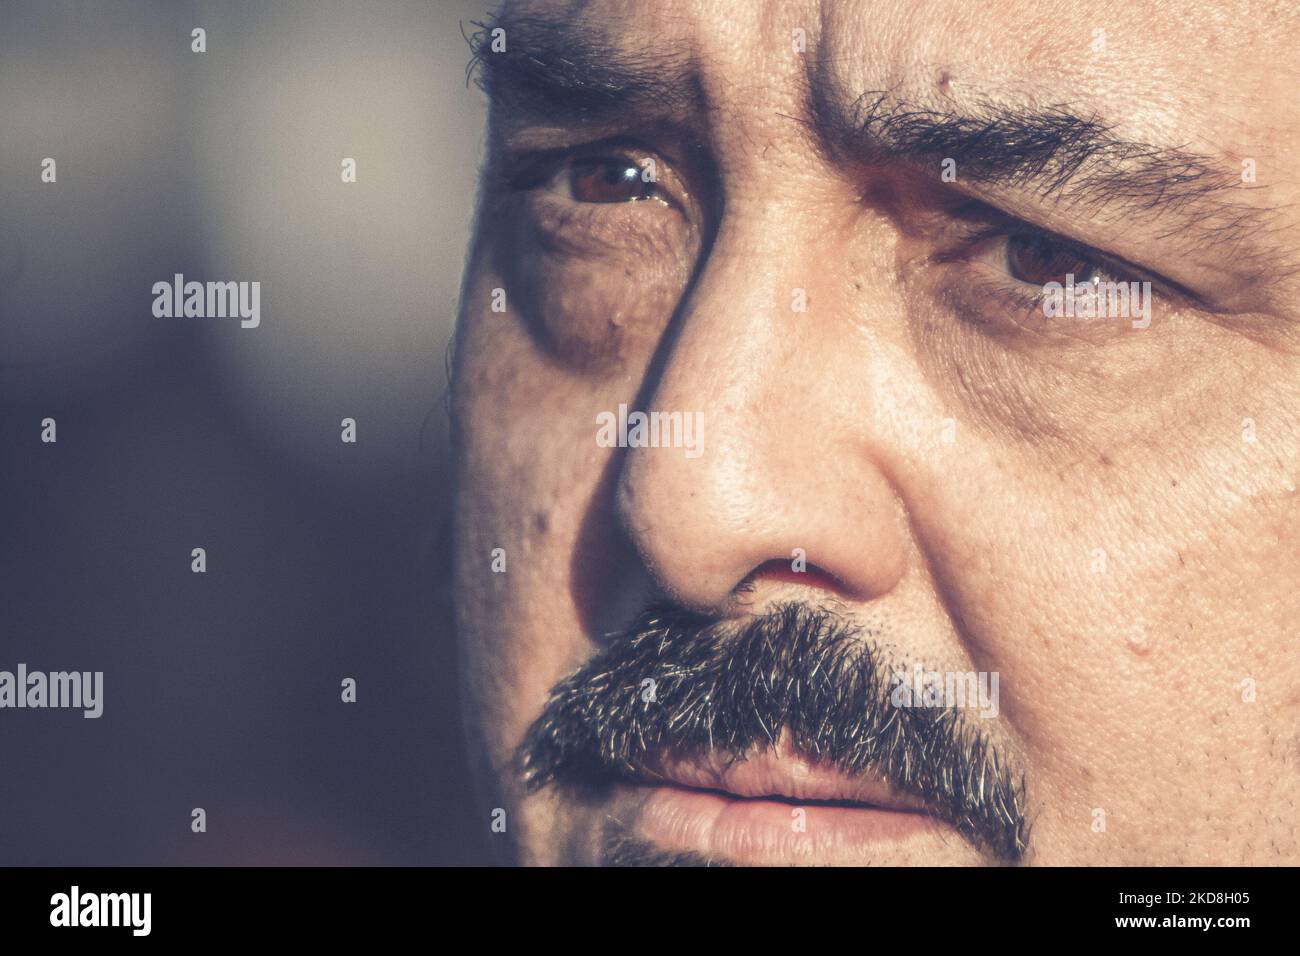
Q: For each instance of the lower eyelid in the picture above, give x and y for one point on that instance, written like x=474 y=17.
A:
x=646 y=227
x=994 y=260
x=1000 y=287
x=986 y=301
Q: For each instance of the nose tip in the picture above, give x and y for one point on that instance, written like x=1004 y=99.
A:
x=710 y=528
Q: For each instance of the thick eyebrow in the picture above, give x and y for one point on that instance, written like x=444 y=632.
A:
x=1057 y=154
x=559 y=70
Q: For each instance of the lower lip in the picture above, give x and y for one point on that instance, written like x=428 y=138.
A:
x=772 y=832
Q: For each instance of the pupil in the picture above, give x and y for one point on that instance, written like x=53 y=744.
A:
x=618 y=174
x=606 y=181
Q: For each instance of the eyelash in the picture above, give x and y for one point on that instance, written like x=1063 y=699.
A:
x=997 y=225
x=978 y=223
x=531 y=170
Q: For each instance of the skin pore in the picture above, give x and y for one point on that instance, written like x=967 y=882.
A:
x=739 y=209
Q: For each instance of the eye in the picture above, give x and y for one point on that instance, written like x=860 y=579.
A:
x=608 y=180
x=1038 y=260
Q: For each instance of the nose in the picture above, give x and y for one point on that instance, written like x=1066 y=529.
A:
x=788 y=474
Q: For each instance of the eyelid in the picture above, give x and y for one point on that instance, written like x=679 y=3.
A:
x=1002 y=225
x=1116 y=270
x=561 y=180
x=534 y=168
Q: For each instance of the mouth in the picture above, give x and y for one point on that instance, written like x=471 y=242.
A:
x=776 y=808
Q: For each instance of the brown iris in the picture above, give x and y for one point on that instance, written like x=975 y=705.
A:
x=608 y=180
x=1039 y=260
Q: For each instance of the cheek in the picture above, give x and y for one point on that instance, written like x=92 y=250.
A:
x=513 y=516
x=528 y=470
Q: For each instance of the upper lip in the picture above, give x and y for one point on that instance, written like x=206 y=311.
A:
x=782 y=774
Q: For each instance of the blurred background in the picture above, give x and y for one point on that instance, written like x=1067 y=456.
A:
x=325 y=560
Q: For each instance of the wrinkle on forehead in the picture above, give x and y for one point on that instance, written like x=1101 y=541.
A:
x=1181 y=73
x=1170 y=72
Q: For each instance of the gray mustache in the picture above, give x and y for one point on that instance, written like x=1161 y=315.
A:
x=681 y=685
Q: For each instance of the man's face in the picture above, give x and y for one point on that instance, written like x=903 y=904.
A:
x=824 y=236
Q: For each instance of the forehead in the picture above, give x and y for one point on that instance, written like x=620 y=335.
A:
x=1219 y=77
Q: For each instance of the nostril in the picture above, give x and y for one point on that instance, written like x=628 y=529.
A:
x=797 y=570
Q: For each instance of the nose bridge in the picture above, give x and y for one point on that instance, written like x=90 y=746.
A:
x=777 y=477
x=729 y=350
